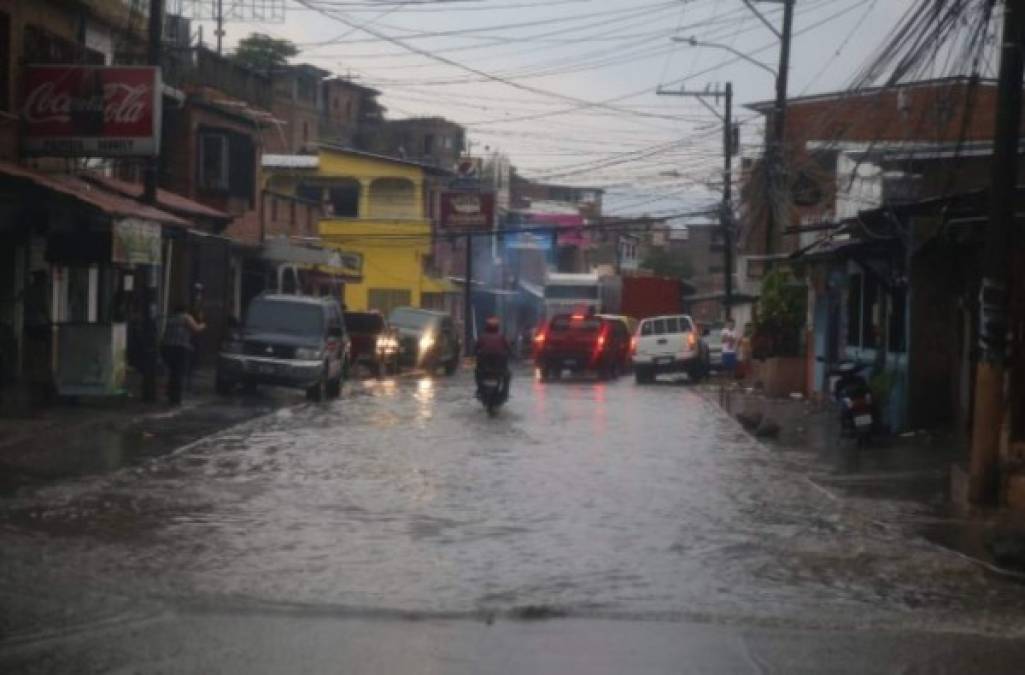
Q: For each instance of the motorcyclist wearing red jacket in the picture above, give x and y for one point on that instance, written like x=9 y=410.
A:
x=493 y=352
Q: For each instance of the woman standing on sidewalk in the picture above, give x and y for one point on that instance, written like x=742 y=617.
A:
x=176 y=349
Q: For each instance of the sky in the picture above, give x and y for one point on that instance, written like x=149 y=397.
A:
x=567 y=88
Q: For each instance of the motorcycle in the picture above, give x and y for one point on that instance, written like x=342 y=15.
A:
x=851 y=391
x=492 y=390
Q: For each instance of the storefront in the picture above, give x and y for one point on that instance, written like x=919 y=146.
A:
x=84 y=287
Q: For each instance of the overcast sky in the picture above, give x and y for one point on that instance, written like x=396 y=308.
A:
x=432 y=57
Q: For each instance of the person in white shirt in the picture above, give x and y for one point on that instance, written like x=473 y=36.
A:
x=729 y=347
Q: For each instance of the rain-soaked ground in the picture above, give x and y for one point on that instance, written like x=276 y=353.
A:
x=581 y=500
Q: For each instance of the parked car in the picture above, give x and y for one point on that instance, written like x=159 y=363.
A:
x=374 y=343
x=669 y=344
x=713 y=338
x=581 y=343
x=427 y=339
x=626 y=326
x=291 y=341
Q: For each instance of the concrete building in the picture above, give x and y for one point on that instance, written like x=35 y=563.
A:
x=433 y=141
x=346 y=109
x=375 y=210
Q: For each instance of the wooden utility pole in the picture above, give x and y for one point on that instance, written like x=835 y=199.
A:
x=726 y=210
x=151 y=174
x=727 y=201
x=468 y=341
x=220 y=26
x=776 y=155
x=987 y=419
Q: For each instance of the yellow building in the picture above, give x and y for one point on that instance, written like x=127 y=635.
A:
x=375 y=207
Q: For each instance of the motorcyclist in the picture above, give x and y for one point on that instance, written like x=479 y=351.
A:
x=493 y=352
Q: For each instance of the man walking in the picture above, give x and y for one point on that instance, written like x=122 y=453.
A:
x=729 y=348
x=176 y=349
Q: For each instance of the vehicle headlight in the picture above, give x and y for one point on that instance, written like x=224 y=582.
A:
x=426 y=342
x=307 y=353
x=232 y=347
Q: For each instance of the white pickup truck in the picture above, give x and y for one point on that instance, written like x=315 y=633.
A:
x=669 y=344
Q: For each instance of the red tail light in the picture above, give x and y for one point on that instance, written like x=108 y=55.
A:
x=539 y=340
x=691 y=340
x=633 y=345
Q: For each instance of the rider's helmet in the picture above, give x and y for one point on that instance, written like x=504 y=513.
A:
x=491 y=325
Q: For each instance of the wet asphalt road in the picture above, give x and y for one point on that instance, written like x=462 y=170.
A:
x=596 y=527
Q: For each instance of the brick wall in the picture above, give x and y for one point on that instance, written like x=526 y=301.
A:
x=289 y=217
x=939 y=112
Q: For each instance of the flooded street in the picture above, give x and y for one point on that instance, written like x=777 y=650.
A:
x=402 y=499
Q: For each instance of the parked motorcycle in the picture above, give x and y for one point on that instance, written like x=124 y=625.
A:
x=851 y=391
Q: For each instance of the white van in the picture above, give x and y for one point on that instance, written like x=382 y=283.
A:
x=669 y=344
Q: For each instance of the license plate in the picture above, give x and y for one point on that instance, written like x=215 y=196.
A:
x=569 y=363
x=491 y=383
x=863 y=421
x=265 y=369
x=664 y=360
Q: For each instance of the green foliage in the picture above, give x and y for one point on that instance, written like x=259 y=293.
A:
x=881 y=384
x=781 y=312
x=264 y=53
x=666 y=264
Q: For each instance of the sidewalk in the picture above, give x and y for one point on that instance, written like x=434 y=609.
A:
x=69 y=439
x=899 y=481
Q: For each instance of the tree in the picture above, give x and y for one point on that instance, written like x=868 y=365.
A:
x=666 y=264
x=781 y=311
x=264 y=53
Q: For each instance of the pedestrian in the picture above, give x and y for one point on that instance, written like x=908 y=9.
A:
x=38 y=330
x=198 y=315
x=176 y=348
x=729 y=348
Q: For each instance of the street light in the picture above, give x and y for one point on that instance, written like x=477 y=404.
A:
x=693 y=42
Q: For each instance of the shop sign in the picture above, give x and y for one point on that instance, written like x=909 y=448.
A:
x=135 y=242
x=92 y=111
x=529 y=241
x=349 y=262
x=468 y=211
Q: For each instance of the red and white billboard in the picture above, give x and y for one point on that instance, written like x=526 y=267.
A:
x=92 y=111
x=468 y=210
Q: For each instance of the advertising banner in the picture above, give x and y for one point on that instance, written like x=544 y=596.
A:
x=468 y=211
x=92 y=111
x=135 y=242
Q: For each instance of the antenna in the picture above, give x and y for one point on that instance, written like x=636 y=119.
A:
x=222 y=11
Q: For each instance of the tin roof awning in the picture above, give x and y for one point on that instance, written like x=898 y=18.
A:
x=166 y=200
x=312 y=256
x=283 y=250
x=112 y=204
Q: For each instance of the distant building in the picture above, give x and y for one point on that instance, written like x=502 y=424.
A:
x=346 y=109
x=298 y=101
x=428 y=140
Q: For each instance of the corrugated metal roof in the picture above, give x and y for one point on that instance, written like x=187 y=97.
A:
x=171 y=201
x=291 y=161
x=87 y=193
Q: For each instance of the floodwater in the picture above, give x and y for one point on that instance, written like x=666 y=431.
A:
x=581 y=499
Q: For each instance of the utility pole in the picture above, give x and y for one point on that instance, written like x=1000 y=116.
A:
x=990 y=374
x=468 y=299
x=775 y=166
x=727 y=201
x=220 y=26
x=151 y=177
x=726 y=210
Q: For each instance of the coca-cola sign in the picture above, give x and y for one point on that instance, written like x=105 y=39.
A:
x=92 y=111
